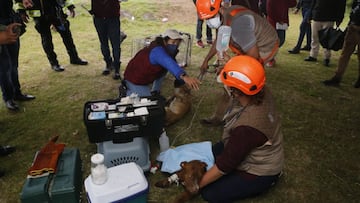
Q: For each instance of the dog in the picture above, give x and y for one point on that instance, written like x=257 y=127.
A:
x=189 y=176
x=179 y=104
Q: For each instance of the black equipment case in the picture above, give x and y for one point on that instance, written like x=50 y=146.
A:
x=112 y=122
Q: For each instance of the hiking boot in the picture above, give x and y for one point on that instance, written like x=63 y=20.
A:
x=310 y=58
x=200 y=44
x=334 y=81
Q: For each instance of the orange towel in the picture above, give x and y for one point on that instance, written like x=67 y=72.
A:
x=47 y=157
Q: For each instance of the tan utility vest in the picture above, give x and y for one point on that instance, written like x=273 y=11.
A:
x=267 y=159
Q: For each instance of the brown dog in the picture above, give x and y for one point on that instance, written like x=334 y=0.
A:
x=178 y=105
x=189 y=176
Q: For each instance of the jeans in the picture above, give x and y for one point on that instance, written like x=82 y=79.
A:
x=143 y=90
x=281 y=35
x=108 y=29
x=9 y=77
x=305 y=29
x=199 y=28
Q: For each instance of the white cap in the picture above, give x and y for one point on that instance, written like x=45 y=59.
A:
x=172 y=34
x=97 y=158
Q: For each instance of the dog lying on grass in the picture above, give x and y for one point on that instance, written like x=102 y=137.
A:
x=189 y=176
x=179 y=104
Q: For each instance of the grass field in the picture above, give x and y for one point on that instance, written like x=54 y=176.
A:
x=321 y=124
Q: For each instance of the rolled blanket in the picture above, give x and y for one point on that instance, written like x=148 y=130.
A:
x=46 y=159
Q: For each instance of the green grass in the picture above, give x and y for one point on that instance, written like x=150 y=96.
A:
x=320 y=124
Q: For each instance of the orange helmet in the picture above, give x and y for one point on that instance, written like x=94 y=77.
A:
x=207 y=8
x=244 y=73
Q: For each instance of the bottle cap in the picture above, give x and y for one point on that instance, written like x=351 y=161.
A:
x=97 y=158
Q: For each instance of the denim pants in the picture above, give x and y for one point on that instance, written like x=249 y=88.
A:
x=232 y=187
x=305 y=29
x=9 y=77
x=108 y=30
x=199 y=28
x=144 y=90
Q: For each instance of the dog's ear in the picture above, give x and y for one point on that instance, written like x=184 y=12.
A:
x=182 y=164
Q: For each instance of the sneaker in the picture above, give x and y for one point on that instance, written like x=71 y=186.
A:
x=327 y=62
x=200 y=44
x=332 y=82
x=270 y=63
x=310 y=58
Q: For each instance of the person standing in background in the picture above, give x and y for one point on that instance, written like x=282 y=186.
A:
x=277 y=13
x=106 y=17
x=199 y=28
x=305 y=26
x=50 y=13
x=323 y=15
x=10 y=28
x=351 y=41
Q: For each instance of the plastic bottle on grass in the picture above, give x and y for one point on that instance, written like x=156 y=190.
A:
x=164 y=141
x=223 y=39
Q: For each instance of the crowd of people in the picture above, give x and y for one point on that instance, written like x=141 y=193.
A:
x=249 y=157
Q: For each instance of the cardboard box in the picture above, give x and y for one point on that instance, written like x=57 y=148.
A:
x=126 y=183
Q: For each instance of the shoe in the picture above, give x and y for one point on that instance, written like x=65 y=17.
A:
x=11 y=105
x=294 y=51
x=306 y=48
x=270 y=63
x=327 y=62
x=200 y=44
x=209 y=42
x=211 y=122
x=24 y=97
x=310 y=58
x=123 y=36
x=79 y=61
x=116 y=76
x=357 y=84
x=6 y=150
x=57 y=68
x=106 y=71
x=332 y=82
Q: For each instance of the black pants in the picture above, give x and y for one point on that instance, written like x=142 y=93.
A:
x=42 y=25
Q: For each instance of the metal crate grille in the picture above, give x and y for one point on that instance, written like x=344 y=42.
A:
x=123 y=160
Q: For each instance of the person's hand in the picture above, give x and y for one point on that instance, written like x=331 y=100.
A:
x=24 y=17
x=27 y=3
x=296 y=11
x=9 y=36
x=193 y=83
x=72 y=12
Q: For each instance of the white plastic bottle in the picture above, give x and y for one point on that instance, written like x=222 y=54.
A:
x=98 y=169
x=223 y=39
x=164 y=141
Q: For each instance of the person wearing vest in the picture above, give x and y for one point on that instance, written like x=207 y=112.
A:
x=251 y=35
x=250 y=157
x=150 y=65
x=11 y=28
x=47 y=13
x=351 y=41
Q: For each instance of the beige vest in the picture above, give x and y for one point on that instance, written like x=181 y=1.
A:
x=269 y=158
x=266 y=37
